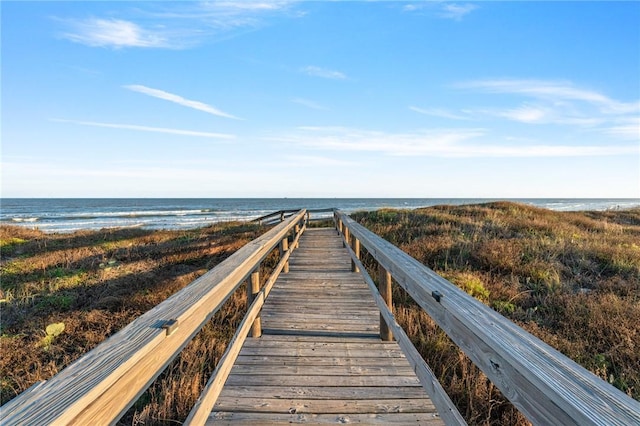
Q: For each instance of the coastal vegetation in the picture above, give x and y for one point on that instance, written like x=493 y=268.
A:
x=570 y=278
x=63 y=294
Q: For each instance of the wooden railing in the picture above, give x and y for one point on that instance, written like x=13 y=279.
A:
x=99 y=387
x=546 y=386
x=280 y=215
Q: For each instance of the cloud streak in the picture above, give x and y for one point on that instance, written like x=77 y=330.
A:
x=175 y=26
x=439 y=112
x=540 y=102
x=314 y=71
x=115 y=33
x=456 y=11
x=316 y=161
x=555 y=91
x=308 y=104
x=136 y=127
x=446 y=10
x=449 y=143
x=177 y=99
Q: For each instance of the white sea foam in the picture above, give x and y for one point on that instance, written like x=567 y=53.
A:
x=24 y=219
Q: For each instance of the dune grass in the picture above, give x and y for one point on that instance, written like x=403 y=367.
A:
x=570 y=278
x=63 y=294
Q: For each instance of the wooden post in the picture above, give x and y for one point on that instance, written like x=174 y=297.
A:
x=384 y=286
x=253 y=288
x=356 y=250
x=284 y=246
x=282 y=216
x=346 y=237
x=308 y=218
x=297 y=230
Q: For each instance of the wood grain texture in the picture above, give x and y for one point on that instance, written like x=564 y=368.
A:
x=277 y=419
x=546 y=386
x=320 y=358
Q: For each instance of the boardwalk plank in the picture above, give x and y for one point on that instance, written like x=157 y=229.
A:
x=276 y=419
x=335 y=406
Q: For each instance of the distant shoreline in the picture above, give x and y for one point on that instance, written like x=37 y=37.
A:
x=66 y=215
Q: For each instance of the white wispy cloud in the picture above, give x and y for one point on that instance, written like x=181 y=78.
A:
x=457 y=143
x=443 y=9
x=540 y=102
x=456 y=11
x=323 y=73
x=116 y=33
x=316 y=161
x=626 y=128
x=308 y=103
x=439 y=112
x=136 y=127
x=177 y=99
x=553 y=91
x=175 y=25
x=525 y=114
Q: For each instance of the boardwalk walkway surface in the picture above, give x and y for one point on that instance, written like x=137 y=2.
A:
x=320 y=359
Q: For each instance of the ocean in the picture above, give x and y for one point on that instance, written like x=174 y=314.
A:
x=68 y=215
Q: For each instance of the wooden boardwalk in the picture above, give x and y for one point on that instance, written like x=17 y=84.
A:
x=320 y=359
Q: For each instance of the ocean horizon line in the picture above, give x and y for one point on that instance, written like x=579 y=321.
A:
x=72 y=214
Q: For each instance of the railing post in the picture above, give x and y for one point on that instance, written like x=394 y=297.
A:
x=253 y=288
x=284 y=246
x=384 y=286
x=297 y=230
x=281 y=216
x=356 y=249
x=346 y=237
x=308 y=218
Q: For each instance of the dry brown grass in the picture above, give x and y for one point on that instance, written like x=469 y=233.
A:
x=570 y=278
x=98 y=282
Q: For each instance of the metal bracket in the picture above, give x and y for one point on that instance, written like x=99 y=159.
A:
x=170 y=326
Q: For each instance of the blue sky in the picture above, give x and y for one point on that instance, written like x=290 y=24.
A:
x=320 y=99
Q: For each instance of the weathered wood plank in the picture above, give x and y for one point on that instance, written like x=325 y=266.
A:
x=320 y=343
x=323 y=370
x=276 y=419
x=324 y=406
x=272 y=360
x=337 y=381
x=336 y=352
x=290 y=339
x=327 y=392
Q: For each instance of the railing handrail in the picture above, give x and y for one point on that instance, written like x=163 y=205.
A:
x=101 y=385
x=289 y=211
x=546 y=386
